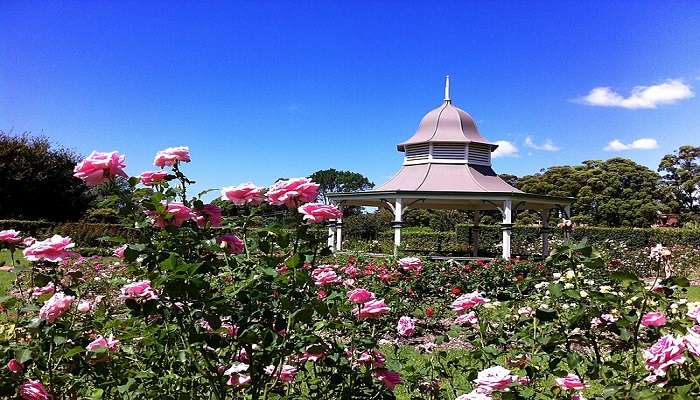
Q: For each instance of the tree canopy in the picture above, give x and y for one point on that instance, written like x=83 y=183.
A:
x=615 y=192
x=680 y=181
x=37 y=180
x=332 y=180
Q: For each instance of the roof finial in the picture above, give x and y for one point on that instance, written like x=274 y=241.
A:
x=447 y=89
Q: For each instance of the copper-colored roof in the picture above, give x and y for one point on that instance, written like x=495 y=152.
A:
x=447 y=124
x=432 y=177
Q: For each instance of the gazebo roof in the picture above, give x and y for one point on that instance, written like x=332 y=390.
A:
x=446 y=124
x=447 y=177
x=451 y=168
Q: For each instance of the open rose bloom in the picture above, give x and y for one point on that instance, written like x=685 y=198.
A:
x=150 y=178
x=10 y=236
x=99 y=167
x=53 y=249
x=467 y=301
x=371 y=309
x=138 y=290
x=109 y=343
x=33 y=390
x=293 y=192
x=231 y=244
x=243 y=194
x=314 y=212
x=177 y=213
x=653 y=318
x=56 y=306
x=171 y=156
x=570 y=382
x=406 y=326
x=210 y=213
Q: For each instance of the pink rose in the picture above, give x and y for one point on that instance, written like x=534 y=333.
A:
x=293 y=192
x=175 y=214
x=48 y=289
x=694 y=314
x=231 y=244
x=411 y=264
x=54 y=307
x=692 y=342
x=387 y=377
x=33 y=390
x=475 y=395
x=374 y=358
x=360 y=296
x=99 y=167
x=110 y=343
x=119 y=251
x=236 y=376
x=467 y=301
x=138 y=290
x=495 y=378
x=172 y=155
x=325 y=275
x=654 y=318
x=665 y=352
x=243 y=194
x=526 y=311
x=577 y=396
x=570 y=382
x=28 y=241
x=286 y=374
x=86 y=306
x=53 y=249
x=150 y=178
x=316 y=212
x=371 y=309
x=209 y=213
x=467 y=319
x=406 y=326
x=15 y=366
x=10 y=236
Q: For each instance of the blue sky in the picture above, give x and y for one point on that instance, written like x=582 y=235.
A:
x=260 y=90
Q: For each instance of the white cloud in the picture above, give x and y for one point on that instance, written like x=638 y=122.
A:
x=639 y=144
x=505 y=149
x=669 y=92
x=548 y=145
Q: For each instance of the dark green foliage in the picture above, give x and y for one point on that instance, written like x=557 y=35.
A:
x=681 y=181
x=615 y=192
x=332 y=180
x=37 y=180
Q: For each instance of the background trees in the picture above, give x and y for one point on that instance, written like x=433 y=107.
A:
x=680 y=181
x=615 y=192
x=332 y=180
x=37 y=182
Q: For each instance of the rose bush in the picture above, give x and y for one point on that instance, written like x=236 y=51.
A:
x=196 y=305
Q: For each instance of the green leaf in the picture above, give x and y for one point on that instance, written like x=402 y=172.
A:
x=624 y=277
x=23 y=355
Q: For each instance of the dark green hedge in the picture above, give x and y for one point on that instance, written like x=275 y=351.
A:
x=527 y=239
x=83 y=234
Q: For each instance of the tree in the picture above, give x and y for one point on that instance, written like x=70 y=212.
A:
x=37 y=180
x=615 y=192
x=681 y=181
x=332 y=180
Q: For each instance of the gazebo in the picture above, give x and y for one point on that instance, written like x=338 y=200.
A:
x=447 y=165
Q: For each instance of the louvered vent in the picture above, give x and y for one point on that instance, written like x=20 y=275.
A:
x=479 y=154
x=417 y=152
x=449 y=151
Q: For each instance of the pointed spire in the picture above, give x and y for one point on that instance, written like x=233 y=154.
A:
x=447 y=89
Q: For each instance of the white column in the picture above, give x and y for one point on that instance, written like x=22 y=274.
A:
x=331 y=235
x=339 y=234
x=475 y=233
x=398 y=222
x=506 y=227
x=545 y=233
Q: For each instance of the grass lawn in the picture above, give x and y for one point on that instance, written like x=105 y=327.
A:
x=694 y=293
x=6 y=278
